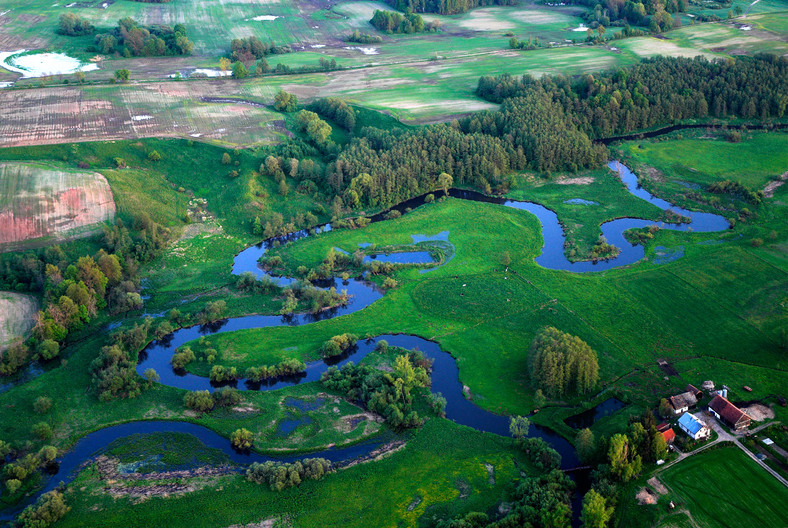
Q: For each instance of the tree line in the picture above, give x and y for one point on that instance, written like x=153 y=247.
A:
x=445 y=7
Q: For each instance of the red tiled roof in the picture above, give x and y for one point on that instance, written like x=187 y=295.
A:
x=664 y=426
x=669 y=435
x=729 y=412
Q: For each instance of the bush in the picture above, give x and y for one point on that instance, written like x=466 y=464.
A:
x=337 y=345
x=227 y=397
x=182 y=358
x=200 y=401
x=220 y=374
x=242 y=439
x=42 y=430
x=42 y=405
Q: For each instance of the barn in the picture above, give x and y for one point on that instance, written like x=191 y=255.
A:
x=731 y=415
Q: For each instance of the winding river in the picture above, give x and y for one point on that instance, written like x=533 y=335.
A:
x=445 y=374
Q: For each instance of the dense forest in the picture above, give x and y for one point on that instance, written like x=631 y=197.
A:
x=445 y=7
x=655 y=92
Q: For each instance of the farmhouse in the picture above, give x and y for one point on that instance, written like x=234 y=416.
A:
x=724 y=410
x=683 y=402
x=669 y=435
x=694 y=428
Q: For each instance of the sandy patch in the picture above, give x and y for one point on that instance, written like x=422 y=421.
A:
x=759 y=412
x=16 y=316
x=581 y=180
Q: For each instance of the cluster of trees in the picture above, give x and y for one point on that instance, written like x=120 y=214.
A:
x=655 y=92
x=132 y=40
x=524 y=44
x=538 y=502
x=393 y=22
x=445 y=7
x=247 y=50
x=737 y=190
x=388 y=394
x=75 y=289
x=113 y=371
x=74 y=25
x=315 y=128
x=281 y=475
x=286 y=367
x=655 y=14
x=17 y=472
x=338 y=345
x=364 y=38
x=562 y=364
x=48 y=509
x=204 y=401
x=337 y=110
x=285 y=101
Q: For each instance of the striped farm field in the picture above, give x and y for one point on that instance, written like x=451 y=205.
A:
x=39 y=201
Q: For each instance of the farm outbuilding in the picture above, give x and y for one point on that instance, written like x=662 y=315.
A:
x=731 y=415
x=683 y=402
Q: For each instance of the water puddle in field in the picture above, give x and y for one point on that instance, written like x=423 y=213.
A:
x=403 y=257
x=43 y=64
x=664 y=255
x=580 y=201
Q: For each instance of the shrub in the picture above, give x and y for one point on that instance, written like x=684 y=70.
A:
x=242 y=439
x=200 y=401
x=220 y=374
x=42 y=430
x=227 y=397
x=338 y=345
x=280 y=475
x=182 y=358
x=42 y=405
x=48 y=509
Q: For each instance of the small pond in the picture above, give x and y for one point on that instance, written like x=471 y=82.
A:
x=587 y=418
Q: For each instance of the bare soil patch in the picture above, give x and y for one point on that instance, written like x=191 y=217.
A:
x=759 y=412
x=17 y=313
x=768 y=191
x=658 y=486
x=581 y=180
x=645 y=496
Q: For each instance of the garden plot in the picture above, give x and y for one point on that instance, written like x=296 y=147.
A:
x=16 y=316
x=39 y=201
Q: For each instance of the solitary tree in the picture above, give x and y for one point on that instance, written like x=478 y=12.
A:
x=586 y=445
x=518 y=426
x=445 y=181
x=242 y=439
x=224 y=64
x=122 y=75
x=239 y=70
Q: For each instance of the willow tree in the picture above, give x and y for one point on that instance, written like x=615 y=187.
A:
x=562 y=364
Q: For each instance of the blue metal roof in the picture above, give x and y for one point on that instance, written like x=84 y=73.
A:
x=690 y=423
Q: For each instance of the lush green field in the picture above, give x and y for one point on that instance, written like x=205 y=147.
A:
x=705 y=482
x=758 y=159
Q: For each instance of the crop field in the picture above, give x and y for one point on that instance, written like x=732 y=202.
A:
x=704 y=484
x=84 y=114
x=39 y=201
x=16 y=316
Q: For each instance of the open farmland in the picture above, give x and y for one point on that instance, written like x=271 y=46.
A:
x=16 y=316
x=706 y=482
x=38 y=201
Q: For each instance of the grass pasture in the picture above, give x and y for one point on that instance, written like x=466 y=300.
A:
x=723 y=488
x=39 y=201
x=16 y=316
